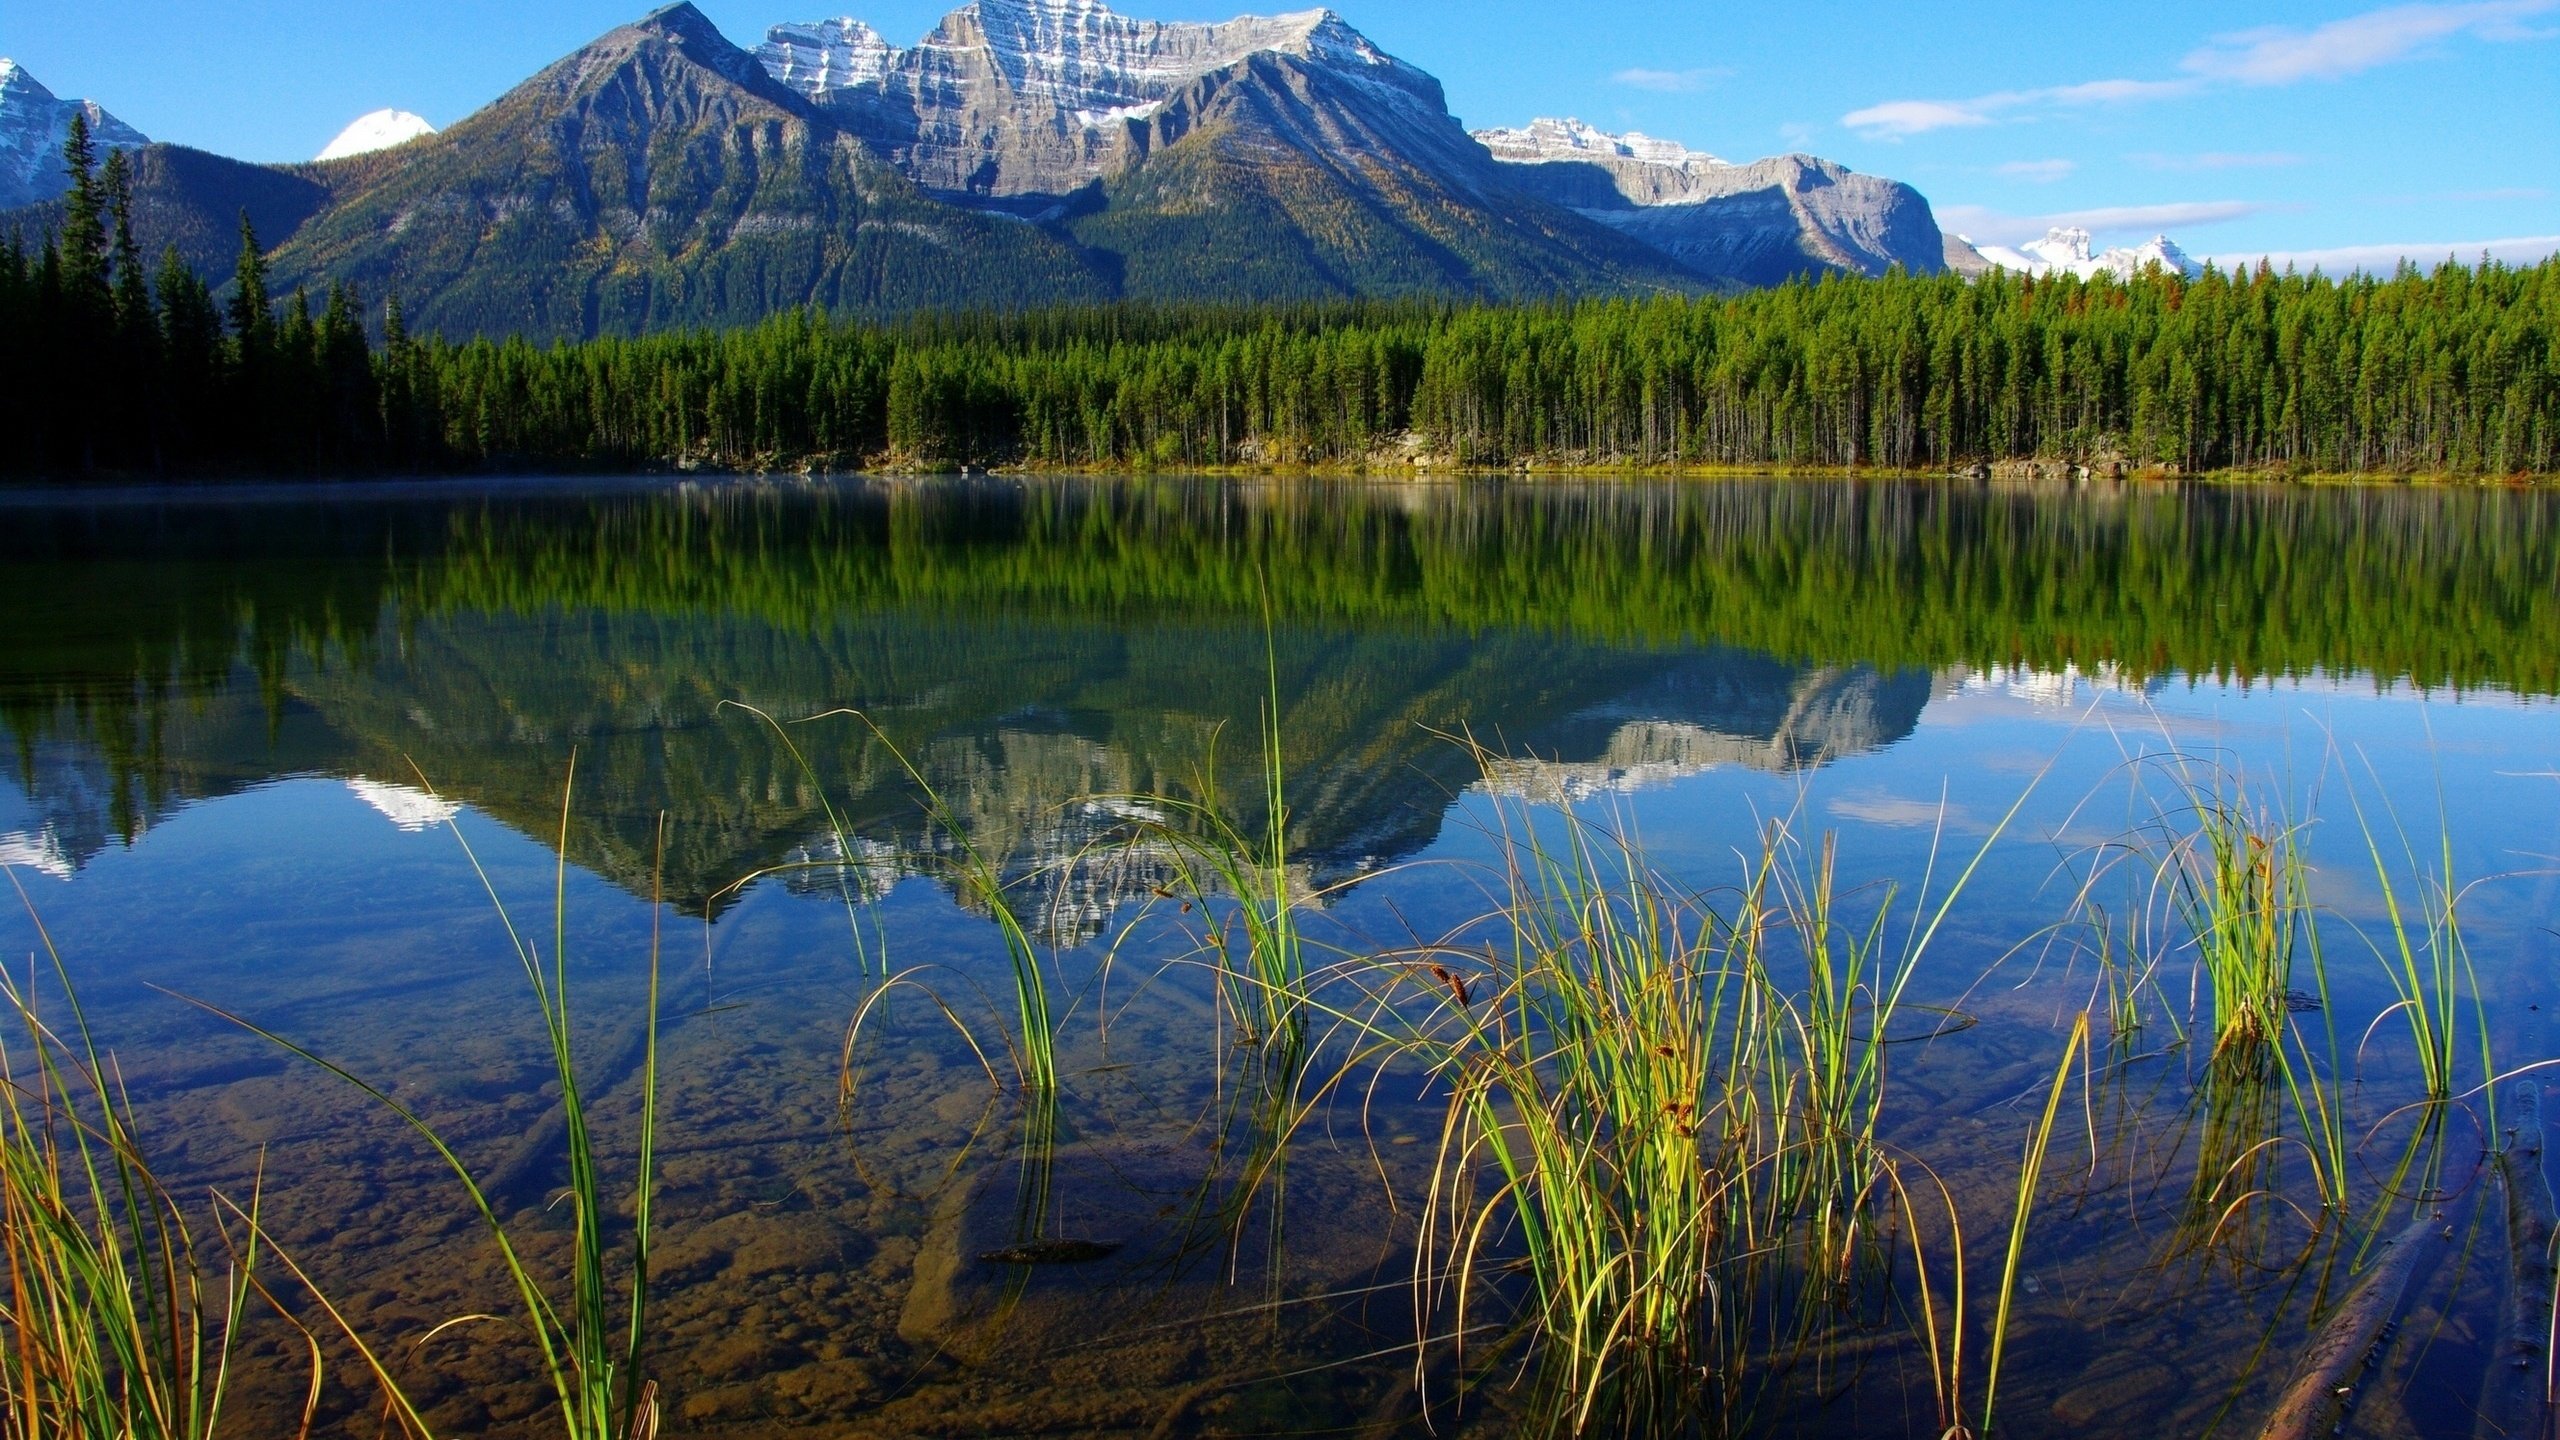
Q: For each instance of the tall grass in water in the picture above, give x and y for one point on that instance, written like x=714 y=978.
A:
x=1262 y=959
x=1672 y=1110
x=2239 y=885
x=982 y=884
x=111 y=1327
x=594 y=1365
x=2227 y=884
x=2424 y=957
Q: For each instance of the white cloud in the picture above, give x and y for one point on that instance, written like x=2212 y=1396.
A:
x=1996 y=227
x=2218 y=160
x=2272 y=55
x=2279 y=55
x=2521 y=250
x=2041 y=172
x=1895 y=119
x=1668 y=81
x=2179 y=214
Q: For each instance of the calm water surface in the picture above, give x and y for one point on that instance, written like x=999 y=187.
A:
x=239 y=722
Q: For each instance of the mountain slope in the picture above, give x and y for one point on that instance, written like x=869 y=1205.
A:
x=1755 y=224
x=1254 y=158
x=1026 y=152
x=659 y=177
x=33 y=124
x=1283 y=176
x=193 y=201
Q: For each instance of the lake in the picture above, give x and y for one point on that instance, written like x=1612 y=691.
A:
x=846 y=754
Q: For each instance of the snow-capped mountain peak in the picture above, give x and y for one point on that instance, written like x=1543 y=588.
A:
x=33 y=124
x=2070 y=250
x=379 y=130
x=1546 y=139
x=823 y=55
x=1009 y=97
x=2065 y=247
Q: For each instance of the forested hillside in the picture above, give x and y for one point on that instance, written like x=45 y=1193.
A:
x=107 y=365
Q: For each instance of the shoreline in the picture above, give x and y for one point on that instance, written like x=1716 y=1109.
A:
x=2035 y=474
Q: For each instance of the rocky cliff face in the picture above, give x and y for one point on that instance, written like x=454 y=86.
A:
x=659 y=176
x=33 y=125
x=1043 y=97
x=663 y=176
x=1754 y=224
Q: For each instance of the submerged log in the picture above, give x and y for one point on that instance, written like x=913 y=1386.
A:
x=2515 y=1395
x=2327 y=1381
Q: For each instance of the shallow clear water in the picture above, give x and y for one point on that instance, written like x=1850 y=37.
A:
x=239 y=719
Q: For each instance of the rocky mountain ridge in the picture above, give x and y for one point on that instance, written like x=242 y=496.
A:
x=1758 y=223
x=662 y=175
x=33 y=124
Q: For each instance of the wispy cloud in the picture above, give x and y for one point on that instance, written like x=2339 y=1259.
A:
x=2182 y=213
x=1668 y=81
x=2273 y=55
x=1897 y=118
x=2001 y=228
x=2519 y=250
x=2280 y=55
x=2041 y=172
x=2218 y=160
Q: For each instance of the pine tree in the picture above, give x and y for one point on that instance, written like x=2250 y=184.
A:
x=252 y=315
x=84 y=230
x=191 y=358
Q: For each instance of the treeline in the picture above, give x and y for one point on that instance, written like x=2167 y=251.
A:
x=104 y=368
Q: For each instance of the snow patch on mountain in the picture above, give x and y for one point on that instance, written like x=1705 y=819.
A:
x=1008 y=97
x=1545 y=139
x=379 y=130
x=816 y=57
x=2069 y=250
x=1080 y=55
x=33 y=124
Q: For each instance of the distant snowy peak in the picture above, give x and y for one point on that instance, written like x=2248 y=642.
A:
x=1039 y=97
x=825 y=55
x=1545 y=139
x=2069 y=250
x=379 y=130
x=33 y=125
x=1078 y=55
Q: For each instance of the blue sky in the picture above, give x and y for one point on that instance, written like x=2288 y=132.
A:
x=2298 y=128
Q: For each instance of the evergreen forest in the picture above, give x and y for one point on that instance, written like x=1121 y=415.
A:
x=112 y=365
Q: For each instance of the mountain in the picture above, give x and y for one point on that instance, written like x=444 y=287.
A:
x=1043 y=97
x=377 y=130
x=1024 y=152
x=1259 y=157
x=2066 y=250
x=1754 y=224
x=658 y=177
x=33 y=125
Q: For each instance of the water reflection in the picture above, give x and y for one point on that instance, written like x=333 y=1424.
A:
x=1034 y=644
x=234 y=717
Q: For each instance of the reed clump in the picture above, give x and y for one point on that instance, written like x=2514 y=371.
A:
x=2240 y=888
x=1664 y=1112
x=114 y=1325
x=594 y=1365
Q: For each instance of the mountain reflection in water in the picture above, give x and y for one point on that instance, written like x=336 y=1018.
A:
x=1034 y=643
x=281 y=682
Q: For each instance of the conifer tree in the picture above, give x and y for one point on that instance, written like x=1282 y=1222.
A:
x=84 y=230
